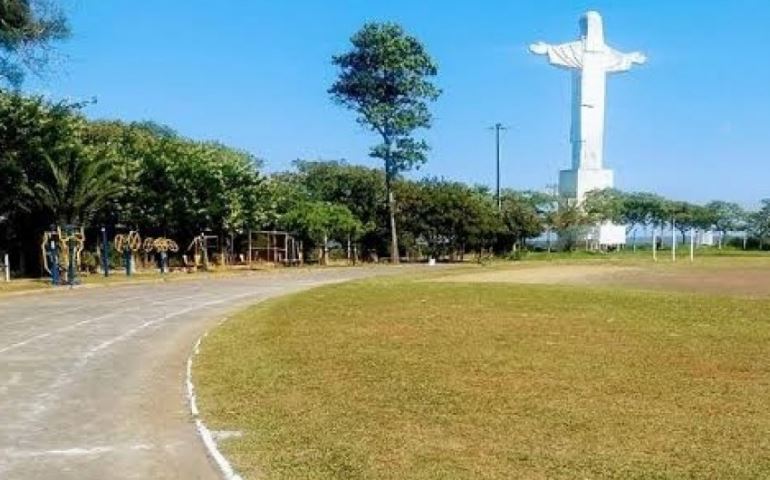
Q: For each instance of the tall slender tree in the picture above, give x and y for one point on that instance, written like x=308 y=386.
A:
x=27 y=29
x=386 y=79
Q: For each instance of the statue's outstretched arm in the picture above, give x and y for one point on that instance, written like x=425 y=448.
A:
x=539 y=48
x=622 y=62
x=569 y=55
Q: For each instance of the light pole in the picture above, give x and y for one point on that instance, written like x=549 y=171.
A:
x=105 y=253
x=497 y=128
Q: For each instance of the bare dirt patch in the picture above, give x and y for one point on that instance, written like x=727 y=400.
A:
x=545 y=274
x=727 y=281
x=724 y=277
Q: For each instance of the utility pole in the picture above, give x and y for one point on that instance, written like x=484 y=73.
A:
x=692 y=244
x=673 y=239
x=105 y=253
x=497 y=128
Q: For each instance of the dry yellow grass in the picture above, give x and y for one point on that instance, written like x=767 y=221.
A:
x=397 y=379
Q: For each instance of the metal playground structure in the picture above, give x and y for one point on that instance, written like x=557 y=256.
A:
x=272 y=246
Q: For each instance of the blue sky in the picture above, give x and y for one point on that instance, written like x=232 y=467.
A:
x=693 y=123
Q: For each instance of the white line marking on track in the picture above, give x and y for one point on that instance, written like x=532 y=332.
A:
x=73 y=309
x=206 y=435
x=75 y=452
x=46 y=398
x=41 y=336
x=108 y=343
x=71 y=326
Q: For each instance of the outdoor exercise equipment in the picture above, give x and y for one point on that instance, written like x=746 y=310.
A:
x=162 y=246
x=128 y=243
x=50 y=250
x=74 y=239
x=200 y=246
x=61 y=250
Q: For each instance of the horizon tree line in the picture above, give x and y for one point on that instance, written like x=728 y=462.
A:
x=57 y=167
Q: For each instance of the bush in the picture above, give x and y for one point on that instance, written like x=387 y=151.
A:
x=89 y=261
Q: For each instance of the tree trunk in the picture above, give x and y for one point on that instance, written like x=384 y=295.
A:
x=325 y=251
x=392 y=214
x=349 y=252
x=389 y=172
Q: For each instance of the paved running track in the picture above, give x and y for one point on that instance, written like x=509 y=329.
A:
x=92 y=379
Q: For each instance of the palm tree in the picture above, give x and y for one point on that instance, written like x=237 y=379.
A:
x=75 y=186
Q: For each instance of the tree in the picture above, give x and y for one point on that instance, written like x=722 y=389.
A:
x=570 y=221
x=76 y=184
x=643 y=209
x=187 y=187
x=385 y=79
x=682 y=214
x=27 y=28
x=44 y=160
x=32 y=129
x=359 y=188
x=320 y=222
x=759 y=222
x=605 y=205
x=522 y=215
x=445 y=217
x=727 y=216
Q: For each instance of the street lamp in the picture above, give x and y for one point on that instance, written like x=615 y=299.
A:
x=497 y=128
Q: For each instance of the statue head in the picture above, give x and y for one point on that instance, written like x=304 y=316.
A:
x=592 y=31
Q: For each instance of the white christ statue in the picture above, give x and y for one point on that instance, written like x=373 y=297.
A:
x=590 y=60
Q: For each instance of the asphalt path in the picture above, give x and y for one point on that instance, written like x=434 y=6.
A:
x=92 y=379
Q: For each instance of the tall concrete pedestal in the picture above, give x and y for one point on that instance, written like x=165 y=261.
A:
x=576 y=183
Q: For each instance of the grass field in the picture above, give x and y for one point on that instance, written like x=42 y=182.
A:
x=470 y=377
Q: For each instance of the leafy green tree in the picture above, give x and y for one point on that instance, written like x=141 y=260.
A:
x=27 y=28
x=727 y=216
x=385 y=79
x=643 y=209
x=448 y=218
x=605 y=205
x=759 y=222
x=681 y=214
x=319 y=222
x=522 y=215
x=635 y=209
x=188 y=187
x=284 y=191
x=688 y=216
x=47 y=171
x=75 y=185
x=32 y=129
x=359 y=188
x=570 y=222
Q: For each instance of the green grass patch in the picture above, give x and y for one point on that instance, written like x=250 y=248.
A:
x=399 y=379
x=23 y=285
